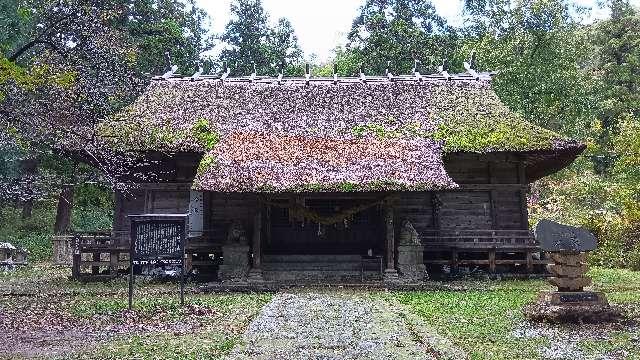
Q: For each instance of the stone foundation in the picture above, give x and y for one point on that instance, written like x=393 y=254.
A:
x=572 y=307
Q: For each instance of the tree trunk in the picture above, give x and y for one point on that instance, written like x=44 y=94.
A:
x=27 y=209
x=65 y=207
x=29 y=168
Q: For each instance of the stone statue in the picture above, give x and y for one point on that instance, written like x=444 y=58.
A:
x=408 y=234
x=237 y=235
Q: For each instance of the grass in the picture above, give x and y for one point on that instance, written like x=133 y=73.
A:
x=163 y=346
x=95 y=323
x=483 y=322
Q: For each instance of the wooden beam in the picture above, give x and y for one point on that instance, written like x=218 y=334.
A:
x=390 y=236
x=435 y=205
x=521 y=173
x=492 y=260
x=257 y=239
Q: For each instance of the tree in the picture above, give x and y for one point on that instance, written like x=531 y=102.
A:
x=77 y=62
x=539 y=52
x=251 y=42
x=400 y=31
x=284 y=48
x=617 y=69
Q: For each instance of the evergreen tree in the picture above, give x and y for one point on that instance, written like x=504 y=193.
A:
x=250 y=41
x=399 y=31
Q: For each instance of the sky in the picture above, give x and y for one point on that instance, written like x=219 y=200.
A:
x=321 y=25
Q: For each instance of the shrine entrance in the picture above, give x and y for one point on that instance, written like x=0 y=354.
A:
x=324 y=226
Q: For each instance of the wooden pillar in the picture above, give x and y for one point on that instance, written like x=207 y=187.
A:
x=529 y=256
x=492 y=260
x=390 y=236
x=257 y=239
x=113 y=262
x=524 y=211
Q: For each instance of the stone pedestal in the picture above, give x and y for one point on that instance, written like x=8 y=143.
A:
x=62 y=249
x=570 y=303
x=235 y=263
x=255 y=276
x=390 y=276
x=411 y=262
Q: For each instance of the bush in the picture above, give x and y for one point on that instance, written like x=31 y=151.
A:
x=33 y=234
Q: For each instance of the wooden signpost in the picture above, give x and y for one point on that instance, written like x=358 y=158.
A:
x=157 y=239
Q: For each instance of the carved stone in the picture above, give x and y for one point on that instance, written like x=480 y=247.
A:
x=235 y=264
x=408 y=234
x=237 y=235
x=570 y=284
x=569 y=271
x=570 y=303
x=554 y=237
x=411 y=262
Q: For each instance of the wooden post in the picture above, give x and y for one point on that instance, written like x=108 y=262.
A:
x=454 y=260
x=95 y=270
x=390 y=236
x=529 y=261
x=113 y=262
x=257 y=243
x=524 y=212
x=492 y=260
x=493 y=195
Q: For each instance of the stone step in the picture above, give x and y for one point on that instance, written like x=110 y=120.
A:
x=315 y=266
x=311 y=258
x=323 y=276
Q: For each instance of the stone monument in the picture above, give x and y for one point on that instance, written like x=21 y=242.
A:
x=410 y=254
x=567 y=247
x=235 y=254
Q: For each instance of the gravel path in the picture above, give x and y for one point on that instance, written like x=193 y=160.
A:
x=331 y=326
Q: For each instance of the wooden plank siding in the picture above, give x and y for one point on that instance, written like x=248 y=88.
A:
x=172 y=198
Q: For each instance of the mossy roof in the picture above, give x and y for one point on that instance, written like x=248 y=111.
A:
x=460 y=115
x=260 y=162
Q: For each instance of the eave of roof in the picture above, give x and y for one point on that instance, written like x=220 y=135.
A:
x=257 y=162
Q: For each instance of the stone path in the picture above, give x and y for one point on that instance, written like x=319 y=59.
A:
x=332 y=326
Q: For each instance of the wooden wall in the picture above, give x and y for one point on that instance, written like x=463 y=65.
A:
x=225 y=208
x=492 y=196
x=148 y=199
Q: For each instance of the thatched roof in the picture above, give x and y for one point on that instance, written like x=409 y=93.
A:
x=284 y=128
x=252 y=161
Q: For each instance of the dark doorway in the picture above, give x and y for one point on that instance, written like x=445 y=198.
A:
x=354 y=235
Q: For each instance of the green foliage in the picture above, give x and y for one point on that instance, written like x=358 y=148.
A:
x=538 y=49
x=208 y=161
x=154 y=346
x=206 y=137
x=399 y=31
x=33 y=234
x=253 y=42
x=482 y=320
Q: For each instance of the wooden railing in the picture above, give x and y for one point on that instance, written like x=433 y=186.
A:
x=481 y=247
x=480 y=237
x=96 y=251
x=99 y=256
